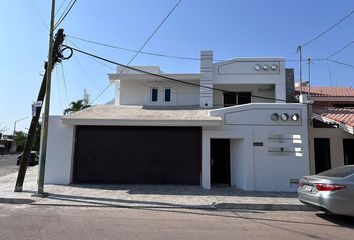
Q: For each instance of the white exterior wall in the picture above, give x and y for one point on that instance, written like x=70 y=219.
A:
x=242 y=71
x=262 y=90
x=260 y=168
x=139 y=93
x=59 y=152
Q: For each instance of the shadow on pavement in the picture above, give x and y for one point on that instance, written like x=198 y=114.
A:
x=344 y=221
x=218 y=190
x=16 y=201
x=113 y=202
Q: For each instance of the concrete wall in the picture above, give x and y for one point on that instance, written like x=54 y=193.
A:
x=280 y=154
x=244 y=71
x=59 y=152
x=138 y=93
x=262 y=90
x=336 y=136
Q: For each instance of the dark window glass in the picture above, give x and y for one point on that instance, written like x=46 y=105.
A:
x=154 y=94
x=322 y=154
x=339 y=172
x=167 y=95
x=230 y=99
x=244 y=97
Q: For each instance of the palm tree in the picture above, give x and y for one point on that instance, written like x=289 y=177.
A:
x=76 y=106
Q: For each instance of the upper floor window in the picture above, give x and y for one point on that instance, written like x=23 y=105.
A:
x=167 y=94
x=154 y=94
x=236 y=98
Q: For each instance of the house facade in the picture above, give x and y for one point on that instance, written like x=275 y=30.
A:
x=331 y=129
x=229 y=124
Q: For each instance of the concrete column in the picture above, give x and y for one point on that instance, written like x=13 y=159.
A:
x=206 y=79
x=117 y=98
x=206 y=182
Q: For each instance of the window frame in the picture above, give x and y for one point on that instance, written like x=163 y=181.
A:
x=170 y=97
x=151 y=94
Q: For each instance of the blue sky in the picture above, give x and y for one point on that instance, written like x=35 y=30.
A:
x=231 y=28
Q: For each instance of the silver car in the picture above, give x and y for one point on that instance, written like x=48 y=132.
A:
x=331 y=191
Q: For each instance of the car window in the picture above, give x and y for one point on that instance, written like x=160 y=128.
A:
x=340 y=172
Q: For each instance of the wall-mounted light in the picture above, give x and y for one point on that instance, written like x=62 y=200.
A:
x=284 y=116
x=257 y=67
x=265 y=67
x=295 y=117
x=274 y=116
x=274 y=67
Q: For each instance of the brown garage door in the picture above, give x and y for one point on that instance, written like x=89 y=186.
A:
x=139 y=155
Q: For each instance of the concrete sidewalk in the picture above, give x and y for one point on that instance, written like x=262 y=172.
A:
x=145 y=196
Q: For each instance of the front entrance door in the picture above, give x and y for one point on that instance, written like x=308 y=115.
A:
x=220 y=161
x=322 y=155
x=348 y=151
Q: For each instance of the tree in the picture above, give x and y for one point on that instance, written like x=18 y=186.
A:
x=79 y=104
x=20 y=140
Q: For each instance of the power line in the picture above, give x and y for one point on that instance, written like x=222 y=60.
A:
x=141 y=48
x=166 y=55
x=328 y=29
x=36 y=10
x=64 y=82
x=134 y=50
x=335 y=53
x=65 y=13
x=61 y=5
x=341 y=63
x=166 y=77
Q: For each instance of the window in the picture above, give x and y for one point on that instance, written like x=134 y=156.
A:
x=236 y=98
x=167 y=94
x=154 y=92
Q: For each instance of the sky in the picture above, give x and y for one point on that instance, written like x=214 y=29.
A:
x=231 y=28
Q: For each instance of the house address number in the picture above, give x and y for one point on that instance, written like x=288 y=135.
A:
x=258 y=144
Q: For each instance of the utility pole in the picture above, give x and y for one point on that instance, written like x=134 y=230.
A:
x=40 y=191
x=309 y=83
x=30 y=137
x=55 y=55
x=299 y=50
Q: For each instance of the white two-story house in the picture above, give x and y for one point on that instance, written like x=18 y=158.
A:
x=229 y=124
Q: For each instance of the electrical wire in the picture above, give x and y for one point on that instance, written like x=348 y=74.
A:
x=141 y=48
x=61 y=5
x=335 y=53
x=328 y=29
x=59 y=89
x=166 y=55
x=36 y=10
x=341 y=63
x=107 y=66
x=64 y=83
x=65 y=13
x=169 y=78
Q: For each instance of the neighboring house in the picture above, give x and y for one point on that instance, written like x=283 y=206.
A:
x=331 y=131
x=223 y=126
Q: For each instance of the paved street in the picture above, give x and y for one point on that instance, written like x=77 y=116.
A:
x=44 y=222
x=8 y=164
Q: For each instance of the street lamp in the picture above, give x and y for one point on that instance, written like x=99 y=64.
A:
x=15 y=125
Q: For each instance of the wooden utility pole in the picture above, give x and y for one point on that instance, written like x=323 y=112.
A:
x=30 y=136
x=40 y=191
x=55 y=56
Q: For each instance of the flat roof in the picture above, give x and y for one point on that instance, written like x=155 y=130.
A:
x=142 y=115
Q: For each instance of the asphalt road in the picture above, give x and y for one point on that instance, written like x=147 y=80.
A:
x=8 y=164
x=54 y=222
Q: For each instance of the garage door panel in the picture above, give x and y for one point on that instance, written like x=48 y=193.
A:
x=150 y=155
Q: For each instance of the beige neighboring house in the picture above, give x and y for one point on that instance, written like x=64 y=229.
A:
x=331 y=133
